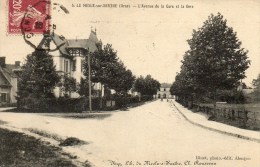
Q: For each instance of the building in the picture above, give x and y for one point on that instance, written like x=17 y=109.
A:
x=164 y=91
x=8 y=81
x=68 y=56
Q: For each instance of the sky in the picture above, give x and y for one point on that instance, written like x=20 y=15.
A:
x=148 y=40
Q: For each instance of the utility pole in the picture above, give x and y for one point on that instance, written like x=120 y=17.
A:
x=89 y=83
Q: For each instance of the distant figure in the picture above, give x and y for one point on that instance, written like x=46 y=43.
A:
x=161 y=99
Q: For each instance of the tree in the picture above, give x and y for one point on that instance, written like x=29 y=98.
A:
x=70 y=84
x=83 y=88
x=215 y=60
x=256 y=86
x=38 y=77
x=146 y=86
x=256 y=83
x=218 y=60
x=108 y=70
x=123 y=79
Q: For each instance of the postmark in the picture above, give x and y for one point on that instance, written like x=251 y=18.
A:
x=28 y=16
x=35 y=24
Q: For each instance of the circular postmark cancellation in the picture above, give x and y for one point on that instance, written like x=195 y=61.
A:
x=31 y=19
x=36 y=20
x=17 y=10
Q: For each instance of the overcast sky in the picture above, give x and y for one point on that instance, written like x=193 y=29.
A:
x=148 y=40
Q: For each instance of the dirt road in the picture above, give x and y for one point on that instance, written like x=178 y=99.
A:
x=154 y=134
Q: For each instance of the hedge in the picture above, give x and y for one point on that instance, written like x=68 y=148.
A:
x=75 y=104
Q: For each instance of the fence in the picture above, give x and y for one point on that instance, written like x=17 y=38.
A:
x=238 y=116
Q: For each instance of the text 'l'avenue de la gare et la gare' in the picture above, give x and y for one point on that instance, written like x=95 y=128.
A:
x=142 y=6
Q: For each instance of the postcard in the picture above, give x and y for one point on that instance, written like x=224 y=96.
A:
x=124 y=83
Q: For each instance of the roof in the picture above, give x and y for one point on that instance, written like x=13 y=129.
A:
x=93 y=36
x=3 y=79
x=165 y=85
x=10 y=68
x=7 y=73
x=63 y=44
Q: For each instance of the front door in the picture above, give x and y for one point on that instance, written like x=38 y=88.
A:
x=164 y=96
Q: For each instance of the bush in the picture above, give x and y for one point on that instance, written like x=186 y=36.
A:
x=146 y=97
x=231 y=96
x=66 y=104
x=134 y=99
x=122 y=101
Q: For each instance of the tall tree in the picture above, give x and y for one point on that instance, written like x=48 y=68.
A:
x=108 y=70
x=218 y=60
x=147 y=85
x=38 y=77
x=215 y=60
x=123 y=79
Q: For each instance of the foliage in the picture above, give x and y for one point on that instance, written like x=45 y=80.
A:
x=108 y=70
x=69 y=84
x=215 y=61
x=38 y=77
x=147 y=85
x=256 y=85
x=123 y=79
x=83 y=87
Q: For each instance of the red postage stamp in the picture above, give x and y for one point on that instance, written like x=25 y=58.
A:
x=28 y=16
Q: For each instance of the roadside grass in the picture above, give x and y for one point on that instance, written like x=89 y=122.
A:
x=72 y=141
x=45 y=134
x=17 y=149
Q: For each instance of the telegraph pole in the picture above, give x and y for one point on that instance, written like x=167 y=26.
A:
x=89 y=84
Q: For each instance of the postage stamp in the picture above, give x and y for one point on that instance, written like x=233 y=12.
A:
x=28 y=16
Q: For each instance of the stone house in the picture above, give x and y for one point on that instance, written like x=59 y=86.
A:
x=8 y=81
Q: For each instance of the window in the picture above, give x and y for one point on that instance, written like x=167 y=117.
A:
x=3 y=97
x=75 y=52
x=82 y=66
x=164 y=89
x=66 y=66
x=74 y=65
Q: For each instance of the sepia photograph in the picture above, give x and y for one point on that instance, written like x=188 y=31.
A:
x=124 y=83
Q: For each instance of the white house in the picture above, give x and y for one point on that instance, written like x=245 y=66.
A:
x=68 y=55
x=164 y=91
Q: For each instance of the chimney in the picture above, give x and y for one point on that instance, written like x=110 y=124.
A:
x=17 y=63
x=2 y=61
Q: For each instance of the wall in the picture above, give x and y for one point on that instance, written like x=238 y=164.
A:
x=162 y=92
x=4 y=90
x=239 y=117
x=14 y=90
